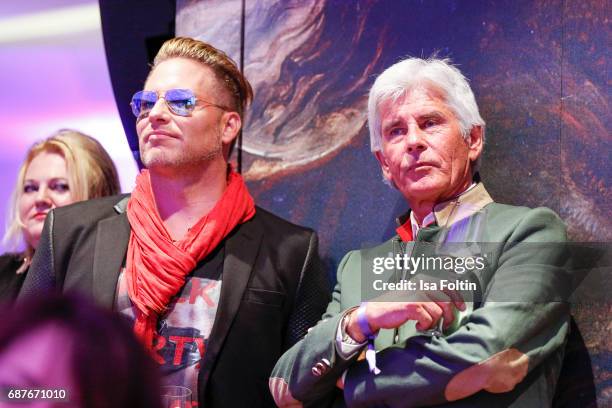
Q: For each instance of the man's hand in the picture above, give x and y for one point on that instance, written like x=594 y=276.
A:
x=391 y=311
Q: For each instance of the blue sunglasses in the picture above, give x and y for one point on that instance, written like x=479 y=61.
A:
x=181 y=102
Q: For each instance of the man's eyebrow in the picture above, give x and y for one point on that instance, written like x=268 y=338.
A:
x=392 y=123
x=432 y=115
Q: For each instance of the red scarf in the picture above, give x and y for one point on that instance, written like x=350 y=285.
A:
x=156 y=267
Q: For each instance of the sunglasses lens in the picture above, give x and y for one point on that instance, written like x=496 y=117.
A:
x=181 y=101
x=143 y=102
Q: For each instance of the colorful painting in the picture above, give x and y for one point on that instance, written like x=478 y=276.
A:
x=541 y=78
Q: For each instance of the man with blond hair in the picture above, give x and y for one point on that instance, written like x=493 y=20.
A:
x=479 y=318
x=216 y=287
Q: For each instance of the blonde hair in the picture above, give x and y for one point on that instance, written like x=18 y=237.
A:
x=91 y=174
x=226 y=70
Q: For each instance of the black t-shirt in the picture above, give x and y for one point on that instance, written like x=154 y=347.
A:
x=183 y=331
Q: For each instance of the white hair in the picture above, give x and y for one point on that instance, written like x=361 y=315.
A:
x=439 y=74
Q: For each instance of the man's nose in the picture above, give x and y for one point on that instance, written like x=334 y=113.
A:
x=415 y=139
x=159 y=111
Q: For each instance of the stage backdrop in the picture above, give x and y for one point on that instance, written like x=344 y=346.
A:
x=540 y=74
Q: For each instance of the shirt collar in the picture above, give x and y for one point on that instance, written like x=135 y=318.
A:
x=427 y=221
x=447 y=212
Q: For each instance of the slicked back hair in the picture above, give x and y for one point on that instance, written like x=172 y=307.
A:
x=226 y=70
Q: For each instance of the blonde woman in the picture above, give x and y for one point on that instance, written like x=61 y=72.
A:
x=65 y=168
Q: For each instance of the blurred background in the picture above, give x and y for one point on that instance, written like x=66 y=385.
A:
x=54 y=75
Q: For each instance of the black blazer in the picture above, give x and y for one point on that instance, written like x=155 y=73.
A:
x=274 y=289
x=10 y=281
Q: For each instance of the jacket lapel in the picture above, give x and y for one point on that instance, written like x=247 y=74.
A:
x=112 y=238
x=241 y=249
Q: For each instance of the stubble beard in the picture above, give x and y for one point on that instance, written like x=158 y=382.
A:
x=183 y=159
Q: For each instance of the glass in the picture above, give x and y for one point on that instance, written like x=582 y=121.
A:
x=181 y=102
x=175 y=396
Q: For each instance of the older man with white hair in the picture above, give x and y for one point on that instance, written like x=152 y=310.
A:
x=500 y=341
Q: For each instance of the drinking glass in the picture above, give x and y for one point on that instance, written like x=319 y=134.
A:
x=175 y=396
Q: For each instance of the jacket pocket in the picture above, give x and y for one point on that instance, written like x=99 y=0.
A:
x=264 y=297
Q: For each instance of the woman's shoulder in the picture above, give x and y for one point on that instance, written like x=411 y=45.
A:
x=10 y=259
x=10 y=281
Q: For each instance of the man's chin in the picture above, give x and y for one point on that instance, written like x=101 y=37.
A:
x=152 y=160
x=163 y=164
x=422 y=189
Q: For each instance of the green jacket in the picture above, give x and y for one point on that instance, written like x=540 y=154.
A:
x=506 y=350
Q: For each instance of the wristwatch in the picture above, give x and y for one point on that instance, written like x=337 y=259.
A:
x=346 y=319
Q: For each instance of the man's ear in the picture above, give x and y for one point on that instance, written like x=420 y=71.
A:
x=231 y=125
x=475 y=142
x=383 y=164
